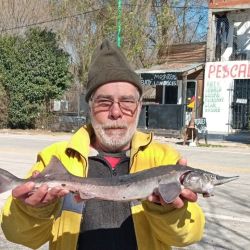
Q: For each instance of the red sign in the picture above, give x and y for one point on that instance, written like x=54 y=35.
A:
x=232 y=70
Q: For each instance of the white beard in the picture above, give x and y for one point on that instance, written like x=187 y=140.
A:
x=119 y=139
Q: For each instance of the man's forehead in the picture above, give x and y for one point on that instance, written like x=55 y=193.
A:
x=117 y=89
x=113 y=96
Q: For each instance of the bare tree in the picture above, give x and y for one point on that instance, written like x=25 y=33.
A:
x=146 y=26
x=18 y=15
x=190 y=20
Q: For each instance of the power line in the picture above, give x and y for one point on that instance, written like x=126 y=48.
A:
x=51 y=20
x=95 y=10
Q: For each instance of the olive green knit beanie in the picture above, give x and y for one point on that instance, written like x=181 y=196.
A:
x=109 y=64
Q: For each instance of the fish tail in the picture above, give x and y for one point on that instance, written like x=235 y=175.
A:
x=7 y=181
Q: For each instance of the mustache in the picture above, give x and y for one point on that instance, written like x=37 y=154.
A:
x=114 y=126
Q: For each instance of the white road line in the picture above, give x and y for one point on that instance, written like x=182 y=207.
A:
x=216 y=151
x=226 y=217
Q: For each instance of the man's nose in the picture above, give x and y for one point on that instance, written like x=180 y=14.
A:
x=115 y=111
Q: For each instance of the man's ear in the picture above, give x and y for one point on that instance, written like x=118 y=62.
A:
x=140 y=105
x=89 y=106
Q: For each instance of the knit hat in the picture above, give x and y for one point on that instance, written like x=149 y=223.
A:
x=109 y=64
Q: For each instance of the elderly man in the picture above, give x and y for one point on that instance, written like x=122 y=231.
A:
x=108 y=147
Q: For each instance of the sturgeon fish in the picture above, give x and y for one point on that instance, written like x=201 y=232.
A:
x=167 y=180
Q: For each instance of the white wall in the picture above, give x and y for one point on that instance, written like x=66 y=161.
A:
x=218 y=86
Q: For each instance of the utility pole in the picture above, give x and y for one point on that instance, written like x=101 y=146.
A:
x=119 y=28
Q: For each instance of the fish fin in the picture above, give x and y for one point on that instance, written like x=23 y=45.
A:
x=54 y=168
x=8 y=181
x=169 y=191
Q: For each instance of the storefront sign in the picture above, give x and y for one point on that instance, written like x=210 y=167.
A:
x=201 y=125
x=214 y=97
x=167 y=79
x=218 y=86
x=241 y=101
x=230 y=70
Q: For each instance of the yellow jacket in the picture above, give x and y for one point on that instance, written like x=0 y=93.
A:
x=156 y=227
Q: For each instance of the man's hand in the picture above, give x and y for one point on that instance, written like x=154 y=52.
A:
x=37 y=197
x=186 y=194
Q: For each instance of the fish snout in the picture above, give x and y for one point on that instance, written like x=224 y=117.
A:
x=219 y=180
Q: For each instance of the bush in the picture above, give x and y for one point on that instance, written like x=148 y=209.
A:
x=3 y=107
x=36 y=70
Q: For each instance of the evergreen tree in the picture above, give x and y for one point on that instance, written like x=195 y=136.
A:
x=36 y=70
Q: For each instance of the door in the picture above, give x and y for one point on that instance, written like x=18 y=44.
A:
x=171 y=94
x=241 y=104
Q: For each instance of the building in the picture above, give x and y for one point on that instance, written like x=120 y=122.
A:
x=171 y=84
x=227 y=71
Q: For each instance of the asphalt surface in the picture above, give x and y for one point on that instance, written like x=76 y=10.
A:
x=227 y=213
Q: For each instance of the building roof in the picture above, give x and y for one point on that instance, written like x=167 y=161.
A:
x=183 y=53
x=187 y=68
x=184 y=58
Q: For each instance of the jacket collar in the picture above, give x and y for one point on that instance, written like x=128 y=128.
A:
x=139 y=141
x=80 y=141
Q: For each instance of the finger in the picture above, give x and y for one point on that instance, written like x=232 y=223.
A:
x=154 y=198
x=189 y=195
x=22 y=190
x=54 y=194
x=63 y=192
x=177 y=203
x=182 y=161
x=37 y=197
x=51 y=195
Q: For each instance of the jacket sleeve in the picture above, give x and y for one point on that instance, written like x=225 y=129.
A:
x=175 y=227
x=26 y=225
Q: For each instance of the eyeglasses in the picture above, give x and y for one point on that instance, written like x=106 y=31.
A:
x=127 y=106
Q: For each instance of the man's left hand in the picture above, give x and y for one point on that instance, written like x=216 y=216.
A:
x=185 y=195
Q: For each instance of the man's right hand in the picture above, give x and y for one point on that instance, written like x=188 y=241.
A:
x=37 y=197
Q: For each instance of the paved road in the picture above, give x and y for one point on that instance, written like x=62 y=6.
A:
x=17 y=154
x=227 y=213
